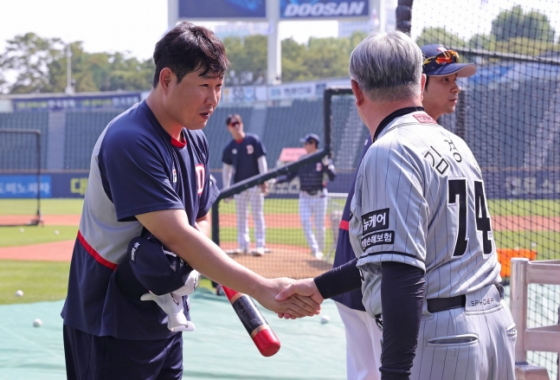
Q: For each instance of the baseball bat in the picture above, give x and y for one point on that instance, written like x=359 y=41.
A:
x=258 y=328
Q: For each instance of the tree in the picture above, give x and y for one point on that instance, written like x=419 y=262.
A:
x=514 y=24
x=28 y=57
x=439 y=36
x=248 y=57
x=40 y=65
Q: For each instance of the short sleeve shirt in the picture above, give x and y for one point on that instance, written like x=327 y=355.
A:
x=136 y=168
x=243 y=156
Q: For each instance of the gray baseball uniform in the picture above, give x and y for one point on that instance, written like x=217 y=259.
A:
x=431 y=213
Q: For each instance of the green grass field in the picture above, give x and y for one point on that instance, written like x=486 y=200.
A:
x=46 y=281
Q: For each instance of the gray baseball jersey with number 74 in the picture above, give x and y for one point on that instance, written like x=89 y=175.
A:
x=420 y=200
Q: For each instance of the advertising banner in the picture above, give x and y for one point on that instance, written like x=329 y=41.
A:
x=222 y=9
x=324 y=9
x=24 y=186
x=75 y=102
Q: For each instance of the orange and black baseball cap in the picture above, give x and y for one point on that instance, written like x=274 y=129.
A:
x=440 y=61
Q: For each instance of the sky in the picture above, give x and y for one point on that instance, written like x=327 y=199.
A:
x=112 y=25
x=135 y=26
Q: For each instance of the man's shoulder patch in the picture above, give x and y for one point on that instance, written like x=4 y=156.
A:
x=375 y=221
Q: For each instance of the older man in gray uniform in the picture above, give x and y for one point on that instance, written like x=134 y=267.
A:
x=420 y=220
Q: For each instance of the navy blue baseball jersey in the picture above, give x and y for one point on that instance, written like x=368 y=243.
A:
x=136 y=168
x=311 y=176
x=344 y=252
x=243 y=156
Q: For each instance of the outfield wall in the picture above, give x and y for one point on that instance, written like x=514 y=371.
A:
x=504 y=184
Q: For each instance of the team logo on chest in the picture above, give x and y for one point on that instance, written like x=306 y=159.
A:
x=250 y=149
x=200 y=175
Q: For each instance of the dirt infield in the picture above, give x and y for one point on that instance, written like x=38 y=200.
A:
x=286 y=259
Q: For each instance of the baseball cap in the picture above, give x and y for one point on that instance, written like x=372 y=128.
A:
x=440 y=61
x=310 y=137
x=148 y=266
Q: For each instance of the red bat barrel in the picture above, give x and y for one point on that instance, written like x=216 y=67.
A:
x=264 y=338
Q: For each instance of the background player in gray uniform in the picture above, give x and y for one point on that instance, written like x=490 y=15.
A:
x=243 y=158
x=313 y=194
x=363 y=337
x=426 y=230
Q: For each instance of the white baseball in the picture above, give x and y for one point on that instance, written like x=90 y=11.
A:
x=56 y=232
x=325 y=318
x=19 y=293
x=37 y=323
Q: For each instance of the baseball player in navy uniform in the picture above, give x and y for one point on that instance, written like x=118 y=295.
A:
x=363 y=337
x=244 y=157
x=143 y=224
x=313 y=194
x=426 y=231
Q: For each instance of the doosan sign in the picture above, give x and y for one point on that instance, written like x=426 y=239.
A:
x=324 y=9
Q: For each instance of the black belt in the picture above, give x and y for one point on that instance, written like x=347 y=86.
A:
x=441 y=304
x=311 y=192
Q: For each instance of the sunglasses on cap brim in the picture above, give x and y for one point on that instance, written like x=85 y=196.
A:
x=442 y=59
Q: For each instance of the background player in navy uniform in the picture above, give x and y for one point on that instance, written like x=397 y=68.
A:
x=313 y=194
x=245 y=157
x=363 y=337
x=149 y=171
x=420 y=220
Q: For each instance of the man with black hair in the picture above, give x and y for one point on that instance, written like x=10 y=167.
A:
x=144 y=225
x=244 y=157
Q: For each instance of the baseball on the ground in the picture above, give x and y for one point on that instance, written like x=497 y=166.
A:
x=325 y=319
x=19 y=293
x=37 y=323
x=56 y=232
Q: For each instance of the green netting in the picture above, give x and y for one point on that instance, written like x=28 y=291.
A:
x=218 y=349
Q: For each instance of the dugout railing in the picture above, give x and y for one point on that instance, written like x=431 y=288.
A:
x=542 y=338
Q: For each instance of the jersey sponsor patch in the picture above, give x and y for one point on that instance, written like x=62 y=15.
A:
x=375 y=221
x=424 y=118
x=385 y=237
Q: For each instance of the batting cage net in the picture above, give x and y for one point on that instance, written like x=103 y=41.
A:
x=509 y=115
x=20 y=164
